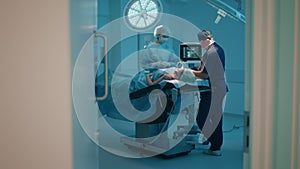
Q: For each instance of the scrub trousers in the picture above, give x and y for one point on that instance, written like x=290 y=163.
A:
x=210 y=118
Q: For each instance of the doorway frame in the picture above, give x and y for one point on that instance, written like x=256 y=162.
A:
x=271 y=84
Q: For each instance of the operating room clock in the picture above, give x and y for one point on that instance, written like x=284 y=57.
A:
x=142 y=14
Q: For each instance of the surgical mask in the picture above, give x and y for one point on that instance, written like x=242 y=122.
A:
x=163 y=40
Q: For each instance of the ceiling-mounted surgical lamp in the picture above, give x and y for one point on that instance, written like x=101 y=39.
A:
x=226 y=10
x=142 y=14
x=221 y=13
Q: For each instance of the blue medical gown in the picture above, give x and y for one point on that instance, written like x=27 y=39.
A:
x=157 y=56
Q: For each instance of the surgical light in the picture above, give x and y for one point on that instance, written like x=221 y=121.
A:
x=221 y=13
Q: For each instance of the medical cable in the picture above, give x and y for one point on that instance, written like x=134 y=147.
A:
x=234 y=127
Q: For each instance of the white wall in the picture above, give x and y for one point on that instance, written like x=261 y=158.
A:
x=229 y=33
x=35 y=100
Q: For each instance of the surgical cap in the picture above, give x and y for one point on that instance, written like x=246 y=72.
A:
x=204 y=35
x=161 y=30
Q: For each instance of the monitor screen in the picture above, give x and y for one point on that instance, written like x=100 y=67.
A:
x=190 y=51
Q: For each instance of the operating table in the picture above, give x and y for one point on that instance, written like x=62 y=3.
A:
x=160 y=135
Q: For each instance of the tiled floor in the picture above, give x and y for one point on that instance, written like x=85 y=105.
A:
x=232 y=151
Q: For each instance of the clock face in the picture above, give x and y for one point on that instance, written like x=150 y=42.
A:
x=141 y=14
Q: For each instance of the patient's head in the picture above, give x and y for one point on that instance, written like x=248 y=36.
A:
x=185 y=75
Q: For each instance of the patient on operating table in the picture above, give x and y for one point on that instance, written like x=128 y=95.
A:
x=146 y=78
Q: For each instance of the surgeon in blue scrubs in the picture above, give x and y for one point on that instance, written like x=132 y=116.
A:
x=210 y=112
